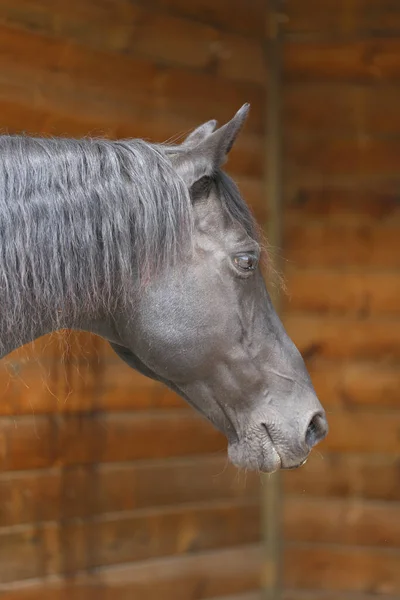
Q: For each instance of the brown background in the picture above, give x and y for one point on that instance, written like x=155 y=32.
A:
x=110 y=487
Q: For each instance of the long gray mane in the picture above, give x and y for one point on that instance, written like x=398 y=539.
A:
x=80 y=220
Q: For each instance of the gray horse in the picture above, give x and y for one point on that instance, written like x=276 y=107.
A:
x=152 y=247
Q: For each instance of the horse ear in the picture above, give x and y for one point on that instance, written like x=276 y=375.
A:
x=211 y=153
x=199 y=134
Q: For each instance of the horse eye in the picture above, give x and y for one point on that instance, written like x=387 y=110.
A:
x=246 y=261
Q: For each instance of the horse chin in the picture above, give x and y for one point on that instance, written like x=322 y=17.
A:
x=246 y=455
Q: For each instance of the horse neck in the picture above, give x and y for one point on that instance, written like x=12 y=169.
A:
x=48 y=251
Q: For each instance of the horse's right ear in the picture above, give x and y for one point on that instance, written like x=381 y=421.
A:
x=205 y=158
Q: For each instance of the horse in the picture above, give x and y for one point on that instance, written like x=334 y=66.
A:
x=152 y=247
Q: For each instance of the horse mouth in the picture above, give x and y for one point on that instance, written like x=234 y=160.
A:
x=300 y=464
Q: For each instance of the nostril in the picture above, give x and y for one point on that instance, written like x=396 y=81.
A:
x=316 y=430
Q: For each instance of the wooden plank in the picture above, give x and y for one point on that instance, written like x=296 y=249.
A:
x=113 y=21
x=356 y=385
x=326 y=158
x=341 y=206
x=365 y=60
x=249 y=596
x=339 y=18
x=176 y=41
x=358 y=110
x=20 y=554
x=235 y=15
x=210 y=574
x=346 y=522
x=86 y=491
x=126 y=28
x=326 y=245
x=49 y=387
x=352 y=432
x=359 y=293
x=345 y=338
x=370 y=476
x=328 y=595
x=44 y=441
x=66 y=346
x=71 y=546
x=44 y=70
x=327 y=567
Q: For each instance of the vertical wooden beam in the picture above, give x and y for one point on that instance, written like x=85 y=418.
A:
x=272 y=485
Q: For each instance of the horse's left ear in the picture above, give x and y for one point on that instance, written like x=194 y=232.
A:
x=211 y=153
x=199 y=134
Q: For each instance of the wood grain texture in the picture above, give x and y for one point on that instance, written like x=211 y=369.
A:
x=328 y=567
x=322 y=244
x=342 y=206
x=84 y=491
x=345 y=337
x=348 y=476
x=342 y=251
x=137 y=28
x=344 y=522
x=52 y=548
x=45 y=441
x=360 y=60
x=362 y=293
x=210 y=574
x=358 y=110
x=340 y=18
x=356 y=385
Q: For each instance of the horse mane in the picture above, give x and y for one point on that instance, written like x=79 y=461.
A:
x=80 y=220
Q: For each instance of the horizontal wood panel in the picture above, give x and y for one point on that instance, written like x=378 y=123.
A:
x=137 y=29
x=354 y=432
x=67 y=346
x=212 y=574
x=247 y=596
x=342 y=18
x=348 y=293
x=37 y=442
x=342 y=261
x=348 y=522
x=124 y=537
x=328 y=595
x=84 y=491
x=366 y=60
x=121 y=538
x=326 y=245
x=341 y=206
x=112 y=18
x=342 y=569
x=233 y=15
x=345 y=338
x=346 y=475
x=49 y=387
x=88 y=82
x=326 y=158
x=356 y=385
x=358 y=111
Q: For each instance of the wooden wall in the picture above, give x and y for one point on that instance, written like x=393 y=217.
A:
x=110 y=487
x=342 y=251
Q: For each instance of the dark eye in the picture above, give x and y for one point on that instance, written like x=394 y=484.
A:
x=246 y=261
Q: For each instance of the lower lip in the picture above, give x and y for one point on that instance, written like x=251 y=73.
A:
x=295 y=466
